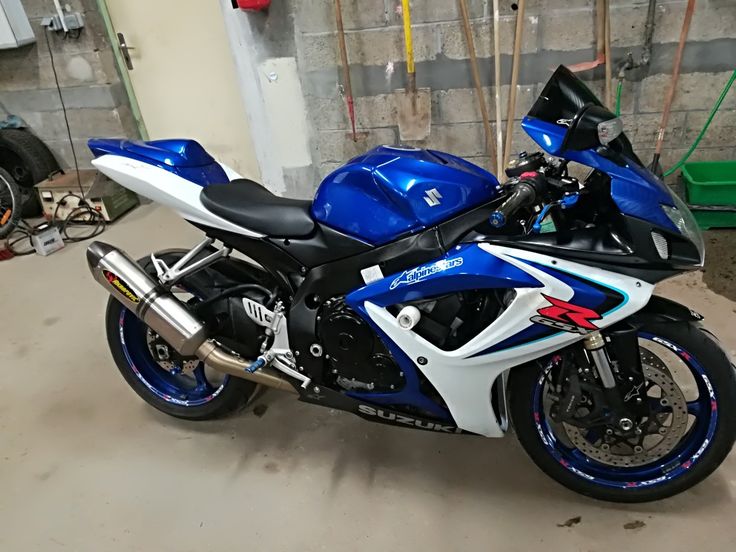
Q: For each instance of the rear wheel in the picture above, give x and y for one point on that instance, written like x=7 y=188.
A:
x=684 y=437
x=178 y=386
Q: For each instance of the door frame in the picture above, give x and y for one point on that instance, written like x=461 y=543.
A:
x=238 y=31
x=122 y=70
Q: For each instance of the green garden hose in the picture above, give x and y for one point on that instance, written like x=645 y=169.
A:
x=705 y=127
x=618 y=96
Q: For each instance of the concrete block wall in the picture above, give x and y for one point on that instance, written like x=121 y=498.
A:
x=555 y=32
x=95 y=99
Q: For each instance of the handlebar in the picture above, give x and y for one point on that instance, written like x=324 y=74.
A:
x=523 y=195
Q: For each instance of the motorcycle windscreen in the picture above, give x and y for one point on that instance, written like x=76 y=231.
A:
x=561 y=99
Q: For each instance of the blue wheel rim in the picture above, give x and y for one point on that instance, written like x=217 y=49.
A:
x=675 y=464
x=173 y=388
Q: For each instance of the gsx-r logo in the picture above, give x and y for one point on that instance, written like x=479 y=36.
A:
x=421 y=272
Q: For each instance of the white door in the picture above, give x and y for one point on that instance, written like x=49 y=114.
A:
x=183 y=76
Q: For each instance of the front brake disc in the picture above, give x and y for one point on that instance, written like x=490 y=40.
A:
x=659 y=434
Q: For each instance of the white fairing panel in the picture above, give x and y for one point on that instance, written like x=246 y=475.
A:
x=231 y=173
x=166 y=188
x=465 y=380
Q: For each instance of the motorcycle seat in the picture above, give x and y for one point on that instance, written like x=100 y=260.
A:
x=250 y=205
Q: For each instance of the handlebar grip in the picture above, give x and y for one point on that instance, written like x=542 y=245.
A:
x=522 y=196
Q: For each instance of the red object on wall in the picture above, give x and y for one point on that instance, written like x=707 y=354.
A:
x=254 y=4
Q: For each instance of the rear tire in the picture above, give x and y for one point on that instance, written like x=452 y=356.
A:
x=229 y=396
x=695 y=344
x=234 y=393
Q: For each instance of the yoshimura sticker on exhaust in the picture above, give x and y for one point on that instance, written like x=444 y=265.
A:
x=121 y=286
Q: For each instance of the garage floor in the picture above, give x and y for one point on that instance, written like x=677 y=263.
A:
x=86 y=465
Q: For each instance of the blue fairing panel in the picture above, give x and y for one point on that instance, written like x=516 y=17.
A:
x=186 y=158
x=636 y=191
x=390 y=191
x=466 y=267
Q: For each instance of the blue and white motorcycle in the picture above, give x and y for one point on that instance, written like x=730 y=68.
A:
x=419 y=291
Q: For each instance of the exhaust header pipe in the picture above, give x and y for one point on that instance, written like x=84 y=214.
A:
x=127 y=282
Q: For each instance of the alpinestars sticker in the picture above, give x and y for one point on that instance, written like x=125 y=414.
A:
x=420 y=273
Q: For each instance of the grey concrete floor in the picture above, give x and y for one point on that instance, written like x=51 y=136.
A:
x=86 y=465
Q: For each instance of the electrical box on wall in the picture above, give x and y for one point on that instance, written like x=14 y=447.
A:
x=15 y=30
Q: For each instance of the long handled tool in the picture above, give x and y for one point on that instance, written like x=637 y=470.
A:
x=497 y=82
x=413 y=107
x=511 y=110
x=348 y=88
x=490 y=142
x=673 y=85
x=600 y=29
x=607 y=50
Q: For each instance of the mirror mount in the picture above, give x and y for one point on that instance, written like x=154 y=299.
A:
x=573 y=125
x=611 y=155
x=592 y=126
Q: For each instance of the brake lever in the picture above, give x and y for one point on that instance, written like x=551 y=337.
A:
x=564 y=203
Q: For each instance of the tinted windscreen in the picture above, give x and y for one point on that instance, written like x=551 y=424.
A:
x=562 y=97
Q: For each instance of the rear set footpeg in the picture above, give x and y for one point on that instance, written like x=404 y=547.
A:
x=279 y=355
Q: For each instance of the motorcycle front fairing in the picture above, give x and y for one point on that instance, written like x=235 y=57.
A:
x=545 y=291
x=635 y=190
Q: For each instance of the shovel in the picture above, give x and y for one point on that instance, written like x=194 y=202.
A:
x=413 y=107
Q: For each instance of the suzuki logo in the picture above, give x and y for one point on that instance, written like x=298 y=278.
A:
x=566 y=316
x=392 y=417
x=433 y=197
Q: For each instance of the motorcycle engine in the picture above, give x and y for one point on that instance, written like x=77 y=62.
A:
x=356 y=357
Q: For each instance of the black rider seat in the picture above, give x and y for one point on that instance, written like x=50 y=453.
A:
x=250 y=205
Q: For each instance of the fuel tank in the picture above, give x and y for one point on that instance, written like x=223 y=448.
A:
x=394 y=190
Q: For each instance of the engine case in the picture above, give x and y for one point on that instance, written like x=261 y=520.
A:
x=356 y=358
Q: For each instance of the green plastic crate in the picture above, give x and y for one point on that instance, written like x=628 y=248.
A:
x=710 y=182
x=714 y=219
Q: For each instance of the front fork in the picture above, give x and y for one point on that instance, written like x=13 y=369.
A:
x=622 y=385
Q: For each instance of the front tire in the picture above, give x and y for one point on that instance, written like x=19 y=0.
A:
x=701 y=449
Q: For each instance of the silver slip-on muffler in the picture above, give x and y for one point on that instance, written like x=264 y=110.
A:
x=125 y=280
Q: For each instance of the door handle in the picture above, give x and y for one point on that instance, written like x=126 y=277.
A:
x=125 y=51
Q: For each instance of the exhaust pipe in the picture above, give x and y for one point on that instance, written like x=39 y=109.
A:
x=127 y=282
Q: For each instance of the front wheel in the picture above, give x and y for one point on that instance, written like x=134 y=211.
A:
x=685 y=435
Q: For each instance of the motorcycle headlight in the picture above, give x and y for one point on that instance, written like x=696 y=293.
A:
x=683 y=219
